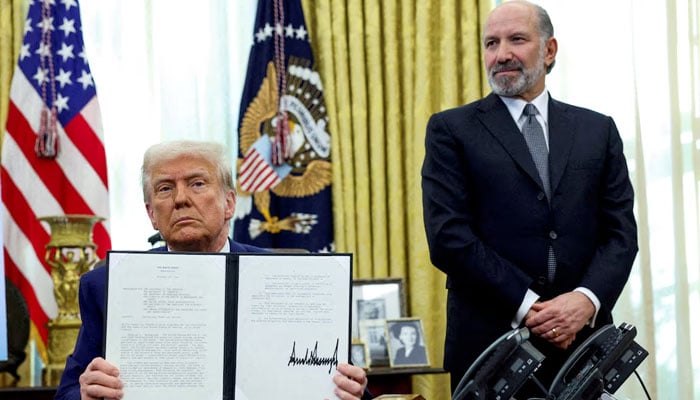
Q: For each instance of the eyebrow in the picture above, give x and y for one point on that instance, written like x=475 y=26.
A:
x=189 y=176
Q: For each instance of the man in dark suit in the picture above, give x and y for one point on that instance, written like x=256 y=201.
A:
x=190 y=199
x=543 y=238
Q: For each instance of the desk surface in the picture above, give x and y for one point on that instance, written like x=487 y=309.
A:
x=404 y=371
x=385 y=380
x=28 y=393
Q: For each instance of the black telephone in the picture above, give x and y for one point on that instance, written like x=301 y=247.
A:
x=501 y=369
x=601 y=364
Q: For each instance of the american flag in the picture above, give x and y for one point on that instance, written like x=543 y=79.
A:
x=53 y=156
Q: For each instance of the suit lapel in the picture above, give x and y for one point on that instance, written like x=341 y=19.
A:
x=562 y=127
x=496 y=119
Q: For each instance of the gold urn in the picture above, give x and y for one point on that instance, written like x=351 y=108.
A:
x=70 y=253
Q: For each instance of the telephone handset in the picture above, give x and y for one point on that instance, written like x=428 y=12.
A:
x=601 y=363
x=501 y=369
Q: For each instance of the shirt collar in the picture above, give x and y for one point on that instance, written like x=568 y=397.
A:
x=516 y=105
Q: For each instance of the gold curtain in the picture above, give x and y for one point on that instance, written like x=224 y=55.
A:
x=387 y=65
x=12 y=14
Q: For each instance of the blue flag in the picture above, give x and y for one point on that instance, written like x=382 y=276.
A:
x=284 y=158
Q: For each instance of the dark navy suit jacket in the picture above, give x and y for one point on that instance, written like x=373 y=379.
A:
x=91 y=336
x=489 y=224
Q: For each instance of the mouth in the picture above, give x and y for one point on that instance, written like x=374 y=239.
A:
x=506 y=69
x=184 y=221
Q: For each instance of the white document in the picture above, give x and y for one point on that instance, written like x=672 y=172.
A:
x=219 y=326
x=293 y=325
x=165 y=324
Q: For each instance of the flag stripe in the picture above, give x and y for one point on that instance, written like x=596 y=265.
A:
x=28 y=226
x=88 y=145
x=39 y=318
x=250 y=164
x=30 y=266
x=256 y=173
x=29 y=184
x=265 y=178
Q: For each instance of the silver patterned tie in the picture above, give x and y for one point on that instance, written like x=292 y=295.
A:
x=534 y=136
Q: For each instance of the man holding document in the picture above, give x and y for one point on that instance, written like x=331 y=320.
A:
x=190 y=199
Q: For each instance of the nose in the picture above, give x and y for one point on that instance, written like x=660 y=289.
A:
x=180 y=195
x=503 y=53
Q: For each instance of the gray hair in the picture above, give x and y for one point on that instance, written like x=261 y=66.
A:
x=545 y=27
x=211 y=151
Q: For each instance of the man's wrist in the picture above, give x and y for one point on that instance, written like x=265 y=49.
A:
x=594 y=300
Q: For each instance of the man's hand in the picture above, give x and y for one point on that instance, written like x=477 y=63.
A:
x=559 y=320
x=100 y=380
x=350 y=382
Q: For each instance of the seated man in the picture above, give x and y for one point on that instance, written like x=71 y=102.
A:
x=190 y=199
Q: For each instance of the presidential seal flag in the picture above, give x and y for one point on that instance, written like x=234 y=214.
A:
x=284 y=164
x=53 y=156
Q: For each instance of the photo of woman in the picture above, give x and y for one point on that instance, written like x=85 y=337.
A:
x=407 y=344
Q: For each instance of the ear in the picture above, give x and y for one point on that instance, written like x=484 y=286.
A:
x=550 y=51
x=151 y=216
x=230 y=205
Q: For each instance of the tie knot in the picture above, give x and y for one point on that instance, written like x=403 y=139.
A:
x=530 y=110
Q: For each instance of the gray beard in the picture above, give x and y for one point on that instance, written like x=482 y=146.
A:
x=509 y=87
x=512 y=87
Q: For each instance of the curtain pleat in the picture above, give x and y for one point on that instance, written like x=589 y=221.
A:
x=684 y=362
x=12 y=14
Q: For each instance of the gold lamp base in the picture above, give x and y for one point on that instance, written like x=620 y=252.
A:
x=70 y=253
x=62 y=337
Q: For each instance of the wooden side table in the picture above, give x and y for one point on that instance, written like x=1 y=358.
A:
x=386 y=380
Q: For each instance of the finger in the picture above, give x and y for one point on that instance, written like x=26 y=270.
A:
x=102 y=365
x=347 y=388
x=555 y=335
x=350 y=381
x=543 y=320
x=96 y=391
x=355 y=373
x=565 y=343
x=100 y=379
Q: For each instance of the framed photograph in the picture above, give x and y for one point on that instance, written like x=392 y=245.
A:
x=359 y=356
x=377 y=299
x=373 y=334
x=406 y=343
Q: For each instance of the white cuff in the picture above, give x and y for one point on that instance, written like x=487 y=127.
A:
x=594 y=299
x=530 y=299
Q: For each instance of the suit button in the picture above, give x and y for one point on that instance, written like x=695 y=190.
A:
x=552 y=235
x=540 y=196
x=541 y=280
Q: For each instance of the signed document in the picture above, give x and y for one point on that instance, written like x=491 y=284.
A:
x=293 y=325
x=165 y=324
x=225 y=326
